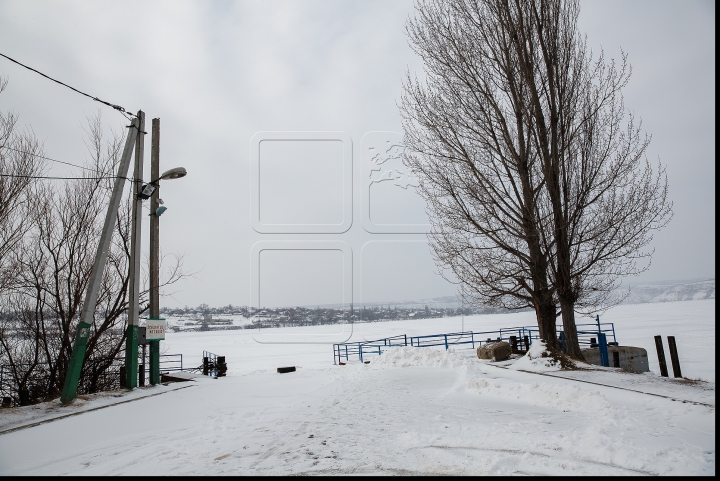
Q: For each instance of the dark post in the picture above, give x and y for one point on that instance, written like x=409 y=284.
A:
x=616 y=359
x=527 y=343
x=221 y=366
x=661 y=356
x=603 y=348
x=674 y=356
x=155 y=250
x=205 y=366
x=514 y=344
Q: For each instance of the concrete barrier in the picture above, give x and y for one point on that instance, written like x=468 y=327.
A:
x=631 y=358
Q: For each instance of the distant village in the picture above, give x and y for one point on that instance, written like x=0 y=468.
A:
x=205 y=318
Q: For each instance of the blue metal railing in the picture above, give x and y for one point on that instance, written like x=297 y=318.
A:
x=589 y=335
x=347 y=349
x=474 y=338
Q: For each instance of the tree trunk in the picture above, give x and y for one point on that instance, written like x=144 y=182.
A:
x=572 y=346
x=545 y=313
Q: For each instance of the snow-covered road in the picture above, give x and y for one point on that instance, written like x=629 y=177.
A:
x=411 y=412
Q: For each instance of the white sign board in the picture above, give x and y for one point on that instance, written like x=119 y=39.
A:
x=155 y=329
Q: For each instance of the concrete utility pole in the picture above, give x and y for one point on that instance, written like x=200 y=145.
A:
x=155 y=250
x=88 y=310
x=131 y=345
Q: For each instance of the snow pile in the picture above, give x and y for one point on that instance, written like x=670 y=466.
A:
x=537 y=359
x=416 y=356
x=559 y=396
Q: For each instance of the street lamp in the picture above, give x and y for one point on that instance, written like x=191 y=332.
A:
x=148 y=189
x=144 y=192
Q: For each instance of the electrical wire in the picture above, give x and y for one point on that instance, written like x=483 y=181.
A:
x=48 y=158
x=116 y=107
x=42 y=177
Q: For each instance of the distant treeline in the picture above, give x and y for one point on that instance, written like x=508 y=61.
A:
x=303 y=316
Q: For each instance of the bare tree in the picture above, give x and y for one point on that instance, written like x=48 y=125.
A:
x=468 y=141
x=19 y=163
x=533 y=171
x=56 y=258
x=603 y=196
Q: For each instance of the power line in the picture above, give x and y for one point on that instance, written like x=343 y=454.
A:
x=116 y=107
x=47 y=158
x=66 y=178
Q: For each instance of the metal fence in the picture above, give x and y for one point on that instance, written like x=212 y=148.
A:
x=168 y=363
x=520 y=339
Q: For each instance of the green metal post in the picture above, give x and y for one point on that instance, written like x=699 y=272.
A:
x=131 y=343
x=131 y=357
x=87 y=315
x=76 y=362
x=154 y=362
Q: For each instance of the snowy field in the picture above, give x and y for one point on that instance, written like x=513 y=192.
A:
x=410 y=411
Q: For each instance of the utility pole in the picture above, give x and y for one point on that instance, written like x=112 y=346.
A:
x=155 y=251
x=88 y=310
x=131 y=344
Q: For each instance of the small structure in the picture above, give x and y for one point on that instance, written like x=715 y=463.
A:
x=213 y=365
x=629 y=358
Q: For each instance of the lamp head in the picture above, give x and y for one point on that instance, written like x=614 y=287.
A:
x=175 y=173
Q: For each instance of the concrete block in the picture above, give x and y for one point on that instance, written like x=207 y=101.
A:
x=496 y=351
x=631 y=358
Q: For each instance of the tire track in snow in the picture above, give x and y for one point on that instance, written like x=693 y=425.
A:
x=538 y=454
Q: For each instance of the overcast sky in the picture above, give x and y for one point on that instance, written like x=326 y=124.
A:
x=324 y=74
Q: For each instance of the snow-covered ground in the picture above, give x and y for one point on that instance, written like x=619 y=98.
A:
x=410 y=411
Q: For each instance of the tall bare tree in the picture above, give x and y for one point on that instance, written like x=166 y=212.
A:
x=603 y=196
x=533 y=171
x=467 y=139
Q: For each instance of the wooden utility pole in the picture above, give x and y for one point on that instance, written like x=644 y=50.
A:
x=131 y=344
x=155 y=250
x=661 y=356
x=88 y=310
x=674 y=356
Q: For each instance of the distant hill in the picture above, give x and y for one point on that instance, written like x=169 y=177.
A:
x=671 y=291
x=665 y=291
